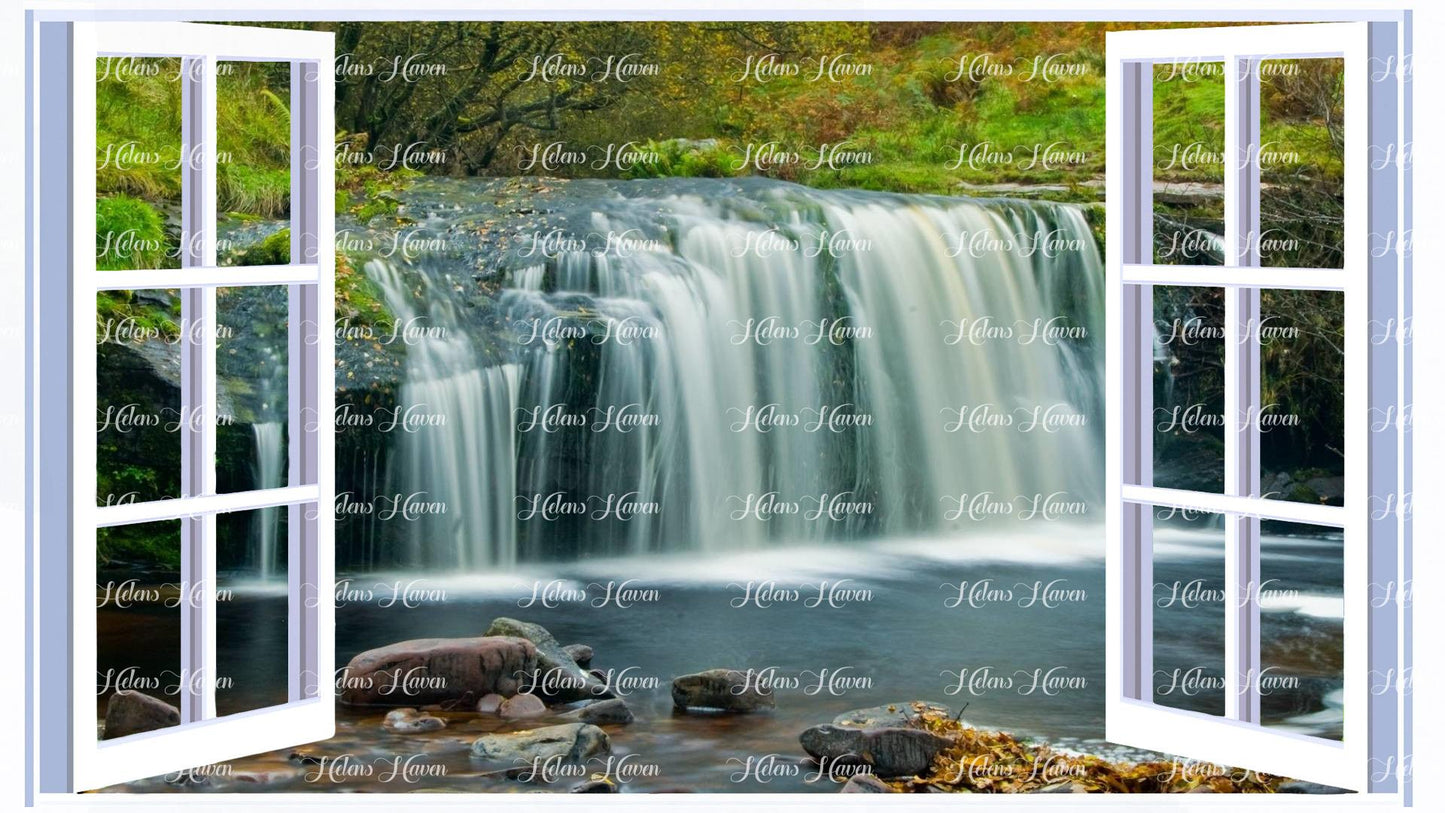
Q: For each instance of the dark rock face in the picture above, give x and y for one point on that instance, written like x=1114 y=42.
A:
x=573 y=743
x=437 y=670
x=556 y=678
x=893 y=752
x=130 y=712
x=721 y=690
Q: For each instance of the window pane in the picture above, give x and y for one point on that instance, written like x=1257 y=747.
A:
x=1188 y=163
x=253 y=163
x=138 y=337
x=138 y=599
x=1301 y=159
x=1301 y=596
x=139 y=156
x=252 y=396
x=1189 y=388
x=251 y=610
x=1302 y=396
x=1189 y=595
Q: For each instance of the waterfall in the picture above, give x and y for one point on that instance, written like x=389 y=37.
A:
x=453 y=500
x=707 y=327
x=270 y=459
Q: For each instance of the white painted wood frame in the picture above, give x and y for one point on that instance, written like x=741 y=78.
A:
x=68 y=129
x=1372 y=516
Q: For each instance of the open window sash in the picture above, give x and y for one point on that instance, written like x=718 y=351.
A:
x=72 y=758
x=1367 y=756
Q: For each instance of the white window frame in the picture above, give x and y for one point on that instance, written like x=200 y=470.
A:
x=73 y=758
x=1366 y=758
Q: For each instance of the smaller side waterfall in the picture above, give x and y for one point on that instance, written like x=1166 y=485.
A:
x=270 y=461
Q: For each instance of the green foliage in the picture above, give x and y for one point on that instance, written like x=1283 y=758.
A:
x=366 y=192
x=358 y=300
x=129 y=233
x=138 y=128
x=138 y=133
x=683 y=158
x=144 y=544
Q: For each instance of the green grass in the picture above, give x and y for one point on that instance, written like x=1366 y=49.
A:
x=138 y=119
x=139 y=159
x=129 y=233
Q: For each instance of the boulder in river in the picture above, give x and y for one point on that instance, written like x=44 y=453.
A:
x=130 y=712
x=893 y=715
x=613 y=711
x=490 y=704
x=556 y=678
x=720 y=690
x=892 y=752
x=572 y=743
x=437 y=670
x=521 y=707
x=581 y=653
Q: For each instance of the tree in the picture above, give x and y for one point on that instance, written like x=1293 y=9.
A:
x=463 y=88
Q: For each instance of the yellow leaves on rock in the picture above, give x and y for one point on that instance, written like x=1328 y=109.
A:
x=980 y=761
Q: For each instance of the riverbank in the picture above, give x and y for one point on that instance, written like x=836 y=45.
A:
x=891 y=622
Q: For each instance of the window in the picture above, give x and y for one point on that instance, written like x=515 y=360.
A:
x=1222 y=278
x=197 y=516
x=1226 y=293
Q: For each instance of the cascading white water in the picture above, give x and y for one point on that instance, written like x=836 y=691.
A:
x=270 y=460
x=453 y=497
x=911 y=319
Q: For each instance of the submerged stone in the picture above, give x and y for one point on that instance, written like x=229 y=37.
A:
x=571 y=743
x=720 y=690
x=411 y=721
x=613 y=711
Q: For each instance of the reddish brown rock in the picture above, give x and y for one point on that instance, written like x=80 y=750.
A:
x=437 y=670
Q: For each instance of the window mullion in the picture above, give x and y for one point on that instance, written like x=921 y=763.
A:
x=202 y=276
x=198 y=390
x=1137 y=398
x=1241 y=389
x=306 y=376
